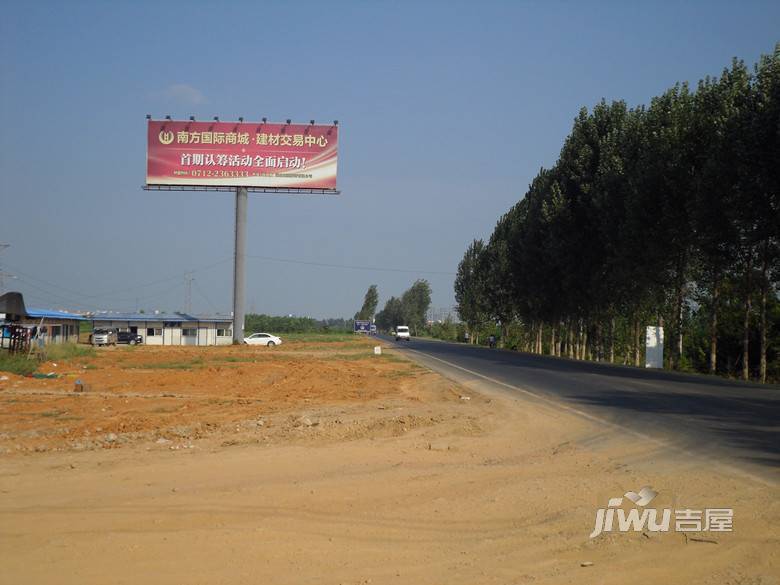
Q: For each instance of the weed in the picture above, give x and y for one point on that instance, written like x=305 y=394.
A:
x=17 y=363
x=52 y=413
x=235 y=359
x=319 y=337
x=400 y=374
x=188 y=365
x=63 y=351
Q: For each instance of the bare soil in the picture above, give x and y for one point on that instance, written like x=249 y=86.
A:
x=321 y=463
x=127 y=395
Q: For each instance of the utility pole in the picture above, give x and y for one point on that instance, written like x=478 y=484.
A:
x=239 y=265
x=188 y=278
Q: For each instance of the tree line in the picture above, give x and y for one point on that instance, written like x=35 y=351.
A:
x=255 y=323
x=662 y=214
x=409 y=309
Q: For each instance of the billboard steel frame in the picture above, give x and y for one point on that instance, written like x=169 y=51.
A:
x=239 y=252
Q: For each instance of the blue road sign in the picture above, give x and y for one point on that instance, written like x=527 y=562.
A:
x=362 y=326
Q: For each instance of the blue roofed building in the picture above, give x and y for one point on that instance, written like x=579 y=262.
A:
x=177 y=328
x=45 y=325
x=155 y=328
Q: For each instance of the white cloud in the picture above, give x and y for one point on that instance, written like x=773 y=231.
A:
x=182 y=94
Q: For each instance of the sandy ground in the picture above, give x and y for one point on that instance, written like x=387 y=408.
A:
x=326 y=465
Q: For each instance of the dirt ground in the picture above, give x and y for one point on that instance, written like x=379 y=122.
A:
x=320 y=463
x=137 y=394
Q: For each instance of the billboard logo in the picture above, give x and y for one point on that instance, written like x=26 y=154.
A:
x=711 y=519
x=166 y=136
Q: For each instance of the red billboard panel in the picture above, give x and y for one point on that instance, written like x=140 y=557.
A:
x=242 y=154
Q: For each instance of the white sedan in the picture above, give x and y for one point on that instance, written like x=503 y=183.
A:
x=262 y=339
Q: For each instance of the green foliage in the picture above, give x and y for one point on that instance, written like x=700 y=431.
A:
x=17 y=363
x=182 y=365
x=470 y=287
x=25 y=365
x=411 y=309
x=370 y=302
x=64 y=351
x=321 y=336
x=392 y=315
x=447 y=330
x=268 y=324
x=665 y=214
x=415 y=303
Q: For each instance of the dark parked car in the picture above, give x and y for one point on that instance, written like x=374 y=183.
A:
x=128 y=337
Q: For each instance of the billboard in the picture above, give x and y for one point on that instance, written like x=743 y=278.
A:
x=241 y=154
x=362 y=326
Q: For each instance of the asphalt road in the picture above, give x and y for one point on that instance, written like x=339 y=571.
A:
x=696 y=414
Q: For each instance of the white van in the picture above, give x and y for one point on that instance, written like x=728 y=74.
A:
x=402 y=333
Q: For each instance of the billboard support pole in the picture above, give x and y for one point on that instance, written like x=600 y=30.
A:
x=239 y=265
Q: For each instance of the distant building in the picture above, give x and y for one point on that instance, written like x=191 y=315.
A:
x=43 y=325
x=154 y=328
x=169 y=328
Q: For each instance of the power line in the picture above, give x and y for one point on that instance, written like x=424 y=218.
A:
x=122 y=290
x=203 y=295
x=350 y=266
x=71 y=301
x=68 y=297
x=188 y=280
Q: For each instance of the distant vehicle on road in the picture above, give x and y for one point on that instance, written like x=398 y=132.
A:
x=402 y=333
x=104 y=337
x=263 y=339
x=129 y=337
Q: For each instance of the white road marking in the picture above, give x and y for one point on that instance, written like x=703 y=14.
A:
x=559 y=405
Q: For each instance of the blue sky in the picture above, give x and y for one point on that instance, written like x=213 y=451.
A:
x=447 y=110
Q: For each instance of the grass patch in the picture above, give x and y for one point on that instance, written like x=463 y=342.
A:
x=235 y=359
x=400 y=374
x=188 y=365
x=17 y=363
x=394 y=358
x=52 y=413
x=319 y=337
x=352 y=356
x=64 y=351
